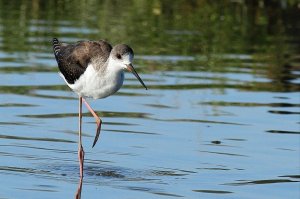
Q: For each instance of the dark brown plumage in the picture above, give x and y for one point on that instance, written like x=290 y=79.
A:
x=73 y=59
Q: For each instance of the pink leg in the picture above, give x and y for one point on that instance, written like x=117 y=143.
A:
x=80 y=148
x=79 y=188
x=98 y=121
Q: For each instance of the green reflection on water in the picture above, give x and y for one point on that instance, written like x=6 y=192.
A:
x=266 y=30
x=103 y=114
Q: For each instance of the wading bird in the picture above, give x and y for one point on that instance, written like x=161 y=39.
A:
x=93 y=69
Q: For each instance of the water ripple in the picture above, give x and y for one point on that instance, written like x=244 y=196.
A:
x=35 y=138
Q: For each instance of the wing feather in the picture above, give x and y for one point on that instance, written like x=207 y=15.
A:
x=73 y=59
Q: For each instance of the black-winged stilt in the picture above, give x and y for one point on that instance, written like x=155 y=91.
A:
x=93 y=69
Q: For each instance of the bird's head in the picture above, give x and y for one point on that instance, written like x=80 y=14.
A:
x=123 y=55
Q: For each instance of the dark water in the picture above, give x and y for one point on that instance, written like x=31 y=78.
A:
x=220 y=118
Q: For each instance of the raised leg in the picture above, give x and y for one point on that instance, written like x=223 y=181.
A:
x=98 y=121
x=80 y=148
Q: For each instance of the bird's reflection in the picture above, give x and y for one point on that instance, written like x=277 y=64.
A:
x=79 y=188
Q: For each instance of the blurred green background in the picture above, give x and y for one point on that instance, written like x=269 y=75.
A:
x=210 y=31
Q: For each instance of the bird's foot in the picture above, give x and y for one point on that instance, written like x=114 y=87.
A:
x=98 y=122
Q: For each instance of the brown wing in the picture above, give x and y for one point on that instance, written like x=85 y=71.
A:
x=73 y=59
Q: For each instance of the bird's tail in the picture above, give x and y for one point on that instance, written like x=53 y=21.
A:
x=56 y=47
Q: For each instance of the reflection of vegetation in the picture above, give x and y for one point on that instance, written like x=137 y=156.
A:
x=22 y=90
x=283 y=132
x=34 y=138
x=249 y=104
x=185 y=27
x=267 y=181
x=16 y=105
x=265 y=30
x=33 y=91
x=103 y=114
x=26 y=69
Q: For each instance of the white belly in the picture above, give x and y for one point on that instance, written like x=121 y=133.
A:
x=98 y=85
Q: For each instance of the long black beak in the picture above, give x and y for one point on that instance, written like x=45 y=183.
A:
x=131 y=69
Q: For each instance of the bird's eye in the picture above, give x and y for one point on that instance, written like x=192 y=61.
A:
x=119 y=56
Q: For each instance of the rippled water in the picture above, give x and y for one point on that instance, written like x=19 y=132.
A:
x=217 y=125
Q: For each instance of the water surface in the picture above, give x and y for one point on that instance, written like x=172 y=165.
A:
x=220 y=118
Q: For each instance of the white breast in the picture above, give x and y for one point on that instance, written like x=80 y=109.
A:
x=97 y=84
